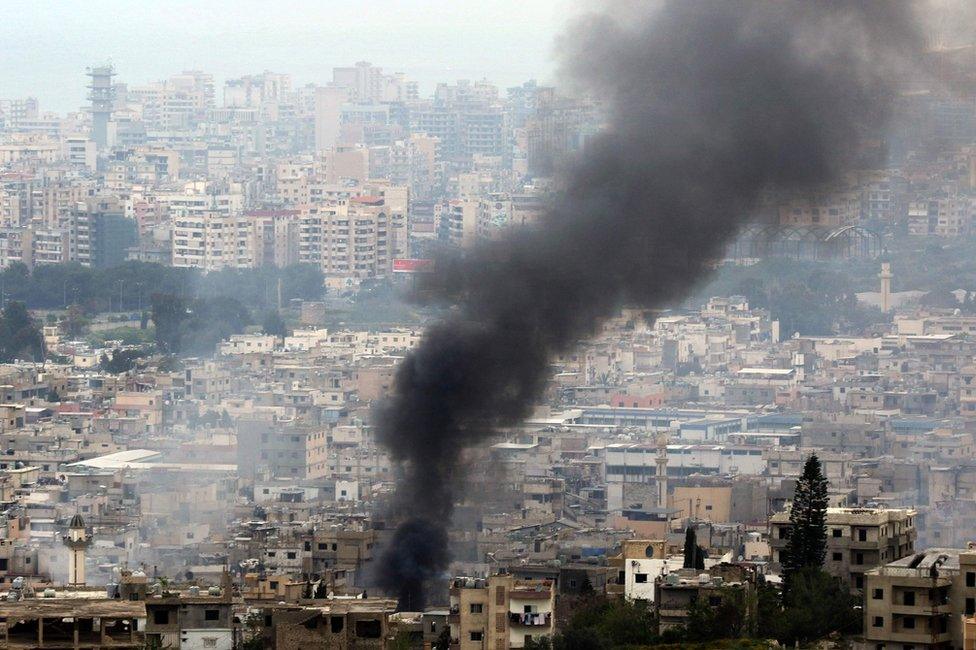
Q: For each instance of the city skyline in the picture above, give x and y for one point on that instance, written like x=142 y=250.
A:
x=49 y=48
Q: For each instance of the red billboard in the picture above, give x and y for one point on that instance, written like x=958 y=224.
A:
x=412 y=265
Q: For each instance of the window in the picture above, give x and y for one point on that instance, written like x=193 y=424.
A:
x=291 y=555
x=909 y=623
x=476 y=636
x=970 y=579
x=714 y=601
x=877 y=594
x=477 y=608
x=640 y=577
x=369 y=629
x=161 y=617
x=909 y=598
x=859 y=558
x=211 y=614
x=970 y=606
x=336 y=624
x=878 y=621
x=837 y=532
x=838 y=556
x=862 y=535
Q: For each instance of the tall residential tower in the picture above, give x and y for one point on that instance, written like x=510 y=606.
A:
x=102 y=98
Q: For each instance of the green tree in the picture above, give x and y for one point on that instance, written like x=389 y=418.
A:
x=538 y=643
x=608 y=622
x=806 y=546
x=75 y=323
x=722 y=615
x=586 y=638
x=20 y=335
x=210 y=321
x=120 y=361
x=168 y=314
x=274 y=324
x=691 y=548
x=816 y=605
x=443 y=640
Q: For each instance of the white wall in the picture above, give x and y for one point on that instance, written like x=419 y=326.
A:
x=204 y=639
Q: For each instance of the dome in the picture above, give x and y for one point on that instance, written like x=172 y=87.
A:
x=77 y=522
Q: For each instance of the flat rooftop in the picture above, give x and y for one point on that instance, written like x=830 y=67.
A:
x=146 y=459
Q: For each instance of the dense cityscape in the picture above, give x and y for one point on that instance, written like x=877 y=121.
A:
x=276 y=366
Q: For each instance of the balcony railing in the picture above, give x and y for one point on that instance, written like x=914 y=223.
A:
x=531 y=620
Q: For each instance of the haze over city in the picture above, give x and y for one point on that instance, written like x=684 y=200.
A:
x=488 y=326
x=430 y=41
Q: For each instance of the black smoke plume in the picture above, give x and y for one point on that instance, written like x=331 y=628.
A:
x=710 y=105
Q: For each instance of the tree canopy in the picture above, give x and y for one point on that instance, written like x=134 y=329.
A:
x=20 y=334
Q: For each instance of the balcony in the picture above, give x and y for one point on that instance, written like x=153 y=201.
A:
x=531 y=619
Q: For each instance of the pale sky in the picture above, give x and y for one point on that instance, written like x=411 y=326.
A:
x=45 y=46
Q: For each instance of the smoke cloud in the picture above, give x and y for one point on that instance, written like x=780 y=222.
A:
x=710 y=105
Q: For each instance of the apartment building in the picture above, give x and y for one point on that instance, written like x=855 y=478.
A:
x=500 y=612
x=458 y=223
x=339 y=547
x=858 y=539
x=15 y=247
x=281 y=449
x=920 y=600
x=682 y=588
x=832 y=210
x=50 y=246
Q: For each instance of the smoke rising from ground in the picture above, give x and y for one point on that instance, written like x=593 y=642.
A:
x=710 y=105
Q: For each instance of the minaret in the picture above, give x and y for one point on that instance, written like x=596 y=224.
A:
x=77 y=540
x=661 y=476
x=885 y=276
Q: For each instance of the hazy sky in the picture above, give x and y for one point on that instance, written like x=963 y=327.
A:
x=45 y=46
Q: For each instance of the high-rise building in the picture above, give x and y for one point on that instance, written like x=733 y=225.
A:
x=328 y=110
x=102 y=98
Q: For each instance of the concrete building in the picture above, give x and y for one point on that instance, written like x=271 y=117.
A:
x=281 y=449
x=500 y=612
x=680 y=589
x=858 y=539
x=921 y=601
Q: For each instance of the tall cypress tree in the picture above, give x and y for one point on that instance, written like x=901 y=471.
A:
x=806 y=547
x=691 y=547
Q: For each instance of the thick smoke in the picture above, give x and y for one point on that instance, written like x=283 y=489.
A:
x=710 y=105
